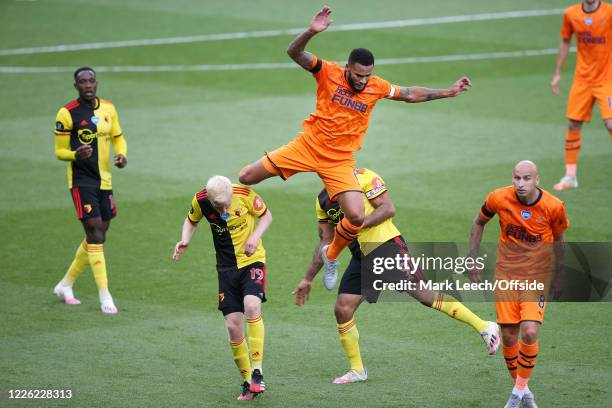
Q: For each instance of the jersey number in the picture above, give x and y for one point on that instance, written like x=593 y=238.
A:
x=257 y=274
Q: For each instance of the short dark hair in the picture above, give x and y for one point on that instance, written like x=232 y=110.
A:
x=79 y=70
x=361 y=56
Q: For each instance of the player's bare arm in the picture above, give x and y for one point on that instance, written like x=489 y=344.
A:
x=302 y=291
x=415 y=94
x=475 y=239
x=252 y=242
x=561 y=57
x=296 y=51
x=189 y=229
x=558 y=280
x=383 y=210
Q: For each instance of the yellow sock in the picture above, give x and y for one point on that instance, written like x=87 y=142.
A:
x=240 y=352
x=80 y=261
x=349 y=338
x=255 y=334
x=455 y=309
x=98 y=265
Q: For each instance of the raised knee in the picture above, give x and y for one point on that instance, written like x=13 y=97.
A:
x=244 y=175
x=356 y=218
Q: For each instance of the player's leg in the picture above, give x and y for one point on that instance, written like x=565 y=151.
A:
x=509 y=314
x=253 y=288
x=95 y=230
x=579 y=109
x=442 y=302
x=349 y=299
x=231 y=304
x=80 y=261
x=285 y=161
x=234 y=323
x=255 y=173
x=351 y=204
x=255 y=336
x=532 y=315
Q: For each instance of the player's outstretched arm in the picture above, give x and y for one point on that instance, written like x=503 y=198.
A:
x=557 y=283
x=295 y=50
x=252 y=241
x=561 y=57
x=383 y=210
x=475 y=240
x=302 y=291
x=415 y=94
x=188 y=230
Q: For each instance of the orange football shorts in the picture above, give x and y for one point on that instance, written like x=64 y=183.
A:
x=582 y=97
x=336 y=169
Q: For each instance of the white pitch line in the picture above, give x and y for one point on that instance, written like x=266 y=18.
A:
x=276 y=33
x=281 y=65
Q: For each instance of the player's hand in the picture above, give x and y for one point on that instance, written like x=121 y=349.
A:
x=251 y=245
x=461 y=85
x=120 y=161
x=321 y=20
x=302 y=292
x=180 y=247
x=554 y=84
x=474 y=275
x=556 y=286
x=83 y=152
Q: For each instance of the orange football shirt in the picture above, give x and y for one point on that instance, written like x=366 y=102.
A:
x=593 y=33
x=342 y=115
x=527 y=231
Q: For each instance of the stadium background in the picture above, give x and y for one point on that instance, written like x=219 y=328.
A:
x=168 y=347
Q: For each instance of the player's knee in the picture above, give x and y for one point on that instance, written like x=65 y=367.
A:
x=529 y=335
x=343 y=312
x=234 y=330
x=252 y=309
x=574 y=125
x=355 y=217
x=246 y=175
x=509 y=339
x=608 y=123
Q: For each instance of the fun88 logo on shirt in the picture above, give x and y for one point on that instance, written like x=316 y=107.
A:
x=344 y=97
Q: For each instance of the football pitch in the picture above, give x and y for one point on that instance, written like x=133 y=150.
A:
x=201 y=106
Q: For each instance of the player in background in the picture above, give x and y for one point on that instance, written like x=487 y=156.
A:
x=531 y=222
x=591 y=22
x=84 y=131
x=378 y=227
x=232 y=211
x=346 y=97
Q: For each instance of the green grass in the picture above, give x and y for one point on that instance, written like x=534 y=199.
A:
x=168 y=346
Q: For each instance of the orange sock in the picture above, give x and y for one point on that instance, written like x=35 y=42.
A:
x=345 y=233
x=572 y=146
x=511 y=354
x=528 y=354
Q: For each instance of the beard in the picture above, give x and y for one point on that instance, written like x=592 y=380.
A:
x=352 y=83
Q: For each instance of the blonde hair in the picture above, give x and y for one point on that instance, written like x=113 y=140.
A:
x=219 y=189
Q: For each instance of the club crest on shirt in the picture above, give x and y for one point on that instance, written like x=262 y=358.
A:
x=526 y=214
x=95 y=120
x=588 y=20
